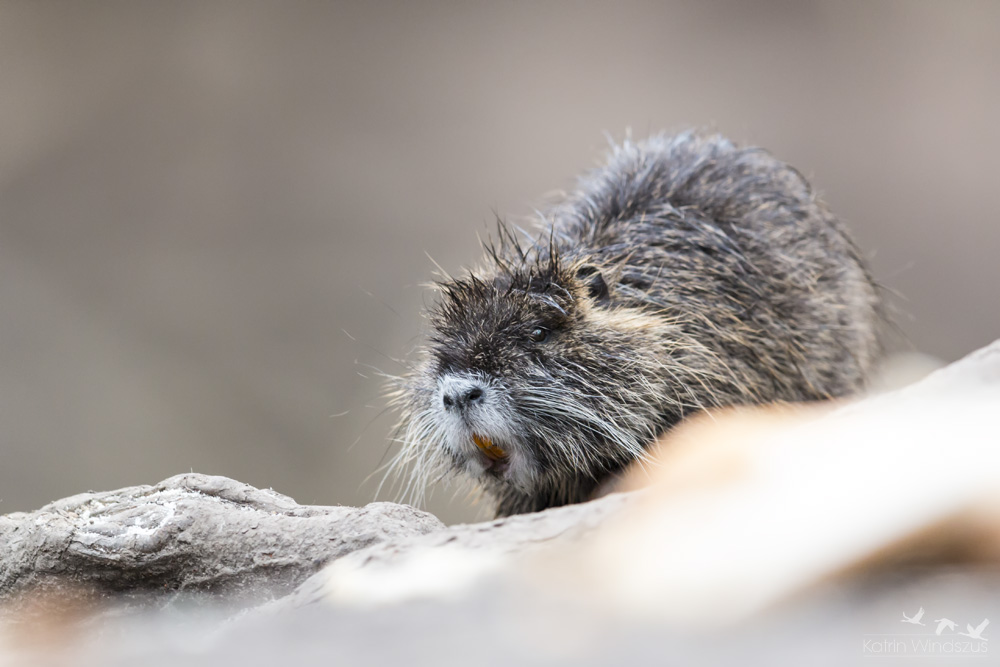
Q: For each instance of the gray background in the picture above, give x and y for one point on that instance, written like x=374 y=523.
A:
x=214 y=216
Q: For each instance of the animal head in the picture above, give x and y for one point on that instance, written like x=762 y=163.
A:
x=521 y=379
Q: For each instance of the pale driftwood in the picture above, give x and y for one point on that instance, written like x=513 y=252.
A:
x=189 y=533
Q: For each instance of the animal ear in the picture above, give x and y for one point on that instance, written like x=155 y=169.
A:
x=593 y=280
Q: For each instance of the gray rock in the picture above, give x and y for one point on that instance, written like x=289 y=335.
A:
x=399 y=586
x=484 y=547
x=192 y=533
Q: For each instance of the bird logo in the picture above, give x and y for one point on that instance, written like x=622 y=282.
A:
x=977 y=632
x=915 y=619
x=944 y=623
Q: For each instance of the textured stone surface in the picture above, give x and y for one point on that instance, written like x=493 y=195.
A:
x=924 y=420
x=445 y=563
x=586 y=584
x=504 y=625
x=189 y=533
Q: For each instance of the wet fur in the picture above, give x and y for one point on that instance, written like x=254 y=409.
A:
x=685 y=273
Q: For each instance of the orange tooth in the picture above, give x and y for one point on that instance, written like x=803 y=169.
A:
x=487 y=447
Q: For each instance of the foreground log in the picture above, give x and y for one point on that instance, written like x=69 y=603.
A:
x=192 y=533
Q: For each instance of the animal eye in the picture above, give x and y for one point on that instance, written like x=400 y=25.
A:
x=538 y=334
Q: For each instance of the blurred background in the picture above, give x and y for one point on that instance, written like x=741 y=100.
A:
x=215 y=218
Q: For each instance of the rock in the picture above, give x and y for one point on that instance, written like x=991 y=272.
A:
x=748 y=507
x=797 y=540
x=190 y=533
x=442 y=564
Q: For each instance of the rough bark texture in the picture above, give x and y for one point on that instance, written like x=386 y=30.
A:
x=189 y=533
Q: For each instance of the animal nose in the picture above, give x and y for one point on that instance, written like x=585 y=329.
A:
x=463 y=397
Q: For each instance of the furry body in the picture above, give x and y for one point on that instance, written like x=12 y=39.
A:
x=686 y=273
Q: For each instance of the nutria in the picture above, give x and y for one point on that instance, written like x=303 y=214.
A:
x=685 y=273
